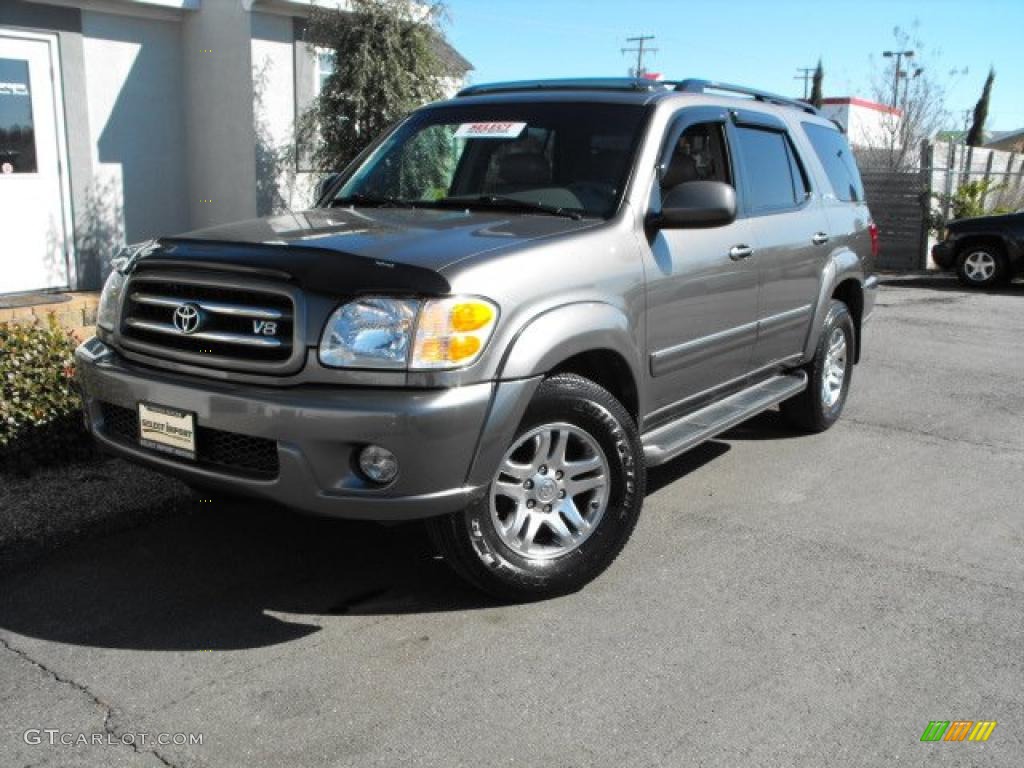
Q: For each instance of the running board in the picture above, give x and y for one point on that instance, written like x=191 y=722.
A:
x=668 y=441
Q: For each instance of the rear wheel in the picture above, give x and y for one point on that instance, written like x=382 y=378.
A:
x=819 y=406
x=562 y=503
x=981 y=266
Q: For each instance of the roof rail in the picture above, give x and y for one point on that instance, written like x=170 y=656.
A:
x=568 y=84
x=693 y=85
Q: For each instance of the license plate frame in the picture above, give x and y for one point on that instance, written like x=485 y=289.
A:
x=168 y=430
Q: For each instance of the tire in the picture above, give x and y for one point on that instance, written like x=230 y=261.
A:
x=514 y=551
x=819 y=406
x=982 y=266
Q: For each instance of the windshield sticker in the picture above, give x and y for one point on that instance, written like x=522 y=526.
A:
x=490 y=130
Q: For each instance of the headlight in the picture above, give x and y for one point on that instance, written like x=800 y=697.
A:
x=110 y=300
x=374 y=332
x=452 y=333
x=381 y=332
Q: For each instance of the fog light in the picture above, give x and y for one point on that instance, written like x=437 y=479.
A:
x=378 y=464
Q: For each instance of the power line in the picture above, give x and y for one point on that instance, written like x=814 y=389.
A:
x=640 y=49
x=806 y=74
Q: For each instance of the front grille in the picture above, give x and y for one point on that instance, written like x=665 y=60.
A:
x=242 y=454
x=207 y=324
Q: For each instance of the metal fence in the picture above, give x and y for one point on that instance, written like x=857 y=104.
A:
x=905 y=204
x=897 y=202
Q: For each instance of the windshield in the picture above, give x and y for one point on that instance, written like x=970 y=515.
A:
x=552 y=158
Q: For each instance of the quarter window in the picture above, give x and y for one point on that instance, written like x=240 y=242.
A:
x=775 y=180
x=834 y=152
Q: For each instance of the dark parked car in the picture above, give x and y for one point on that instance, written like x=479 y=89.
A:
x=500 y=316
x=985 y=251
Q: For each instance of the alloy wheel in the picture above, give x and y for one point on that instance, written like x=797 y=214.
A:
x=834 y=373
x=979 y=266
x=551 y=491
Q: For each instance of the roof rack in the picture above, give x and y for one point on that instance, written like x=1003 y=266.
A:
x=693 y=85
x=568 y=84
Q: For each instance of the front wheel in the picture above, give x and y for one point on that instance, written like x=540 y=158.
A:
x=818 y=407
x=981 y=266
x=562 y=503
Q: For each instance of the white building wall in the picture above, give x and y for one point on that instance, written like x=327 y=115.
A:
x=134 y=102
x=866 y=124
x=219 y=133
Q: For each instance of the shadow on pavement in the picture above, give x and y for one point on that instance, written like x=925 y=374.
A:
x=235 y=575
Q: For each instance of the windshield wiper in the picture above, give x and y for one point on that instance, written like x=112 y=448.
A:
x=372 y=201
x=514 y=203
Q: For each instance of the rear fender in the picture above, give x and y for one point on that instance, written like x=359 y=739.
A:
x=842 y=265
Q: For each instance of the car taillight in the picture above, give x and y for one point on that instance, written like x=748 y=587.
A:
x=873 y=231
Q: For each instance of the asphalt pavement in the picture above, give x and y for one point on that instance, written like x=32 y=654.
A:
x=785 y=601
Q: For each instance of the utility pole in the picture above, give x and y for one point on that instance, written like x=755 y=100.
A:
x=640 y=49
x=899 y=56
x=806 y=74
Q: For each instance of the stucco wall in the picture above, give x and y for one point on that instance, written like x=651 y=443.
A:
x=219 y=129
x=136 y=129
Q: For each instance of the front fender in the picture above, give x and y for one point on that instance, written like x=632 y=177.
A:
x=544 y=342
x=841 y=266
x=566 y=331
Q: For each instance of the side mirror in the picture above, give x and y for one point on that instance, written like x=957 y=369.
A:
x=325 y=184
x=696 y=204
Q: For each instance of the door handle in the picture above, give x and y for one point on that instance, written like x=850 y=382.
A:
x=820 y=238
x=740 y=252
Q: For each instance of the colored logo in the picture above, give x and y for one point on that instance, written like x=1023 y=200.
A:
x=186 y=318
x=958 y=730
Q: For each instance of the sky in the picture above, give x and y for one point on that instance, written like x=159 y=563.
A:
x=759 y=43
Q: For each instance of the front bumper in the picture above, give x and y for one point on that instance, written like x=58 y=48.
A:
x=317 y=433
x=944 y=254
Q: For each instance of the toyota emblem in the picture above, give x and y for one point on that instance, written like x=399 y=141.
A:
x=187 y=318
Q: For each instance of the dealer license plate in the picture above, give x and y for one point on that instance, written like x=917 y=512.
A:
x=168 y=430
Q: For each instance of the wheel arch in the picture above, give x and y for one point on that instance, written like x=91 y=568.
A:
x=981 y=239
x=851 y=292
x=592 y=339
x=842 y=278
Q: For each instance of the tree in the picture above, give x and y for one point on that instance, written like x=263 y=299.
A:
x=386 y=64
x=976 y=136
x=816 y=95
x=920 y=104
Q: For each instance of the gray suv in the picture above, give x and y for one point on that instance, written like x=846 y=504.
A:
x=499 y=316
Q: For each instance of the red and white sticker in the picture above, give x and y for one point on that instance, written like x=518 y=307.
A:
x=490 y=130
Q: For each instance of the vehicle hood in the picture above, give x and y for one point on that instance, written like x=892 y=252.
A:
x=365 y=248
x=978 y=222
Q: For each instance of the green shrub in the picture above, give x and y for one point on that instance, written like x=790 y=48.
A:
x=967 y=202
x=40 y=408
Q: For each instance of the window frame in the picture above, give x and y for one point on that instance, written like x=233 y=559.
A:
x=769 y=123
x=318 y=73
x=29 y=87
x=682 y=120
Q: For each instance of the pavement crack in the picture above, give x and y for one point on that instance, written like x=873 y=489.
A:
x=108 y=710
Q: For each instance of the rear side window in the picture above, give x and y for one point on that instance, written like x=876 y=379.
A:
x=835 y=155
x=775 y=180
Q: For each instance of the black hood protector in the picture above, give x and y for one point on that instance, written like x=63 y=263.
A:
x=314 y=270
